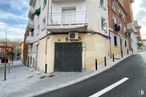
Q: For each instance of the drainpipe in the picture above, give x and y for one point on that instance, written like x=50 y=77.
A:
x=47 y=18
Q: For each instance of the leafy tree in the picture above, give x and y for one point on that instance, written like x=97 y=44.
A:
x=10 y=56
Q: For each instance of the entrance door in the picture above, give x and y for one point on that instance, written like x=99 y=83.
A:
x=68 y=57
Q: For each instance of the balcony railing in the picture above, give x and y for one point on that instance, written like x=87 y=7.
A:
x=131 y=28
x=30 y=25
x=30 y=39
x=80 y=17
x=31 y=12
x=32 y=2
x=64 y=0
x=59 y=22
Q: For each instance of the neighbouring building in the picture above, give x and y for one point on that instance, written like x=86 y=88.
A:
x=144 y=43
x=25 y=50
x=3 y=48
x=138 y=34
x=119 y=16
x=21 y=49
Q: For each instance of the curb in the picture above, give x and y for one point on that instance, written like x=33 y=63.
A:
x=74 y=81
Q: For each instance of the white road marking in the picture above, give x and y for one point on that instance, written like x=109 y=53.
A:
x=105 y=90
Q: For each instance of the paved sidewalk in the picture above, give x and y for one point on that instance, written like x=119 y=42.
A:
x=26 y=82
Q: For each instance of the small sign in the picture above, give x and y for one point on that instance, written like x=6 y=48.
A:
x=141 y=92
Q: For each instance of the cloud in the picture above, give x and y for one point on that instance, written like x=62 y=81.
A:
x=13 y=15
x=139 y=10
x=13 y=32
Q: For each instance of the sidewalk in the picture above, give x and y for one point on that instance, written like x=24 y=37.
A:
x=26 y=82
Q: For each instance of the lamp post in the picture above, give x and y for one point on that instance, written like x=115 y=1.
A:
x=5 y=70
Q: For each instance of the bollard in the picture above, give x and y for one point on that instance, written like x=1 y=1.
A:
x=105 y=61
x=121 y=54
x=96 y=64
x=127 y=52
x=45 y=68
x=113 y=58
x=132 y=50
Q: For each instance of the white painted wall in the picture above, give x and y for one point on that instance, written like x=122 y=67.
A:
x=93 y=14
x=80 y=16
x=134 y=42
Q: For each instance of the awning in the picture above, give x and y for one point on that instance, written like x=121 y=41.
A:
x=37 y=11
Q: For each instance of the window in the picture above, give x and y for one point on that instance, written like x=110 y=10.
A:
x=102 y=3
x=43 y=23
x=113 y=6
x=121 y=1
x=124 y=17
x=68 y=15
x=114 y=21
x=115 y=40
x=120 y=13
x=120 y=25
x=44 y=3
x=125 y=43
x=38 y=29
x=124 y=29
x=37 y=11
x=103 y=24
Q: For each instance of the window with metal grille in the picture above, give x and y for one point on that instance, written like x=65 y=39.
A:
x=115 y=40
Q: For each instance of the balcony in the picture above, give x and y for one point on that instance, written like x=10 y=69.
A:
x=31 y=12
x=32 y=2
x=117 y=28
x=30 y=25
x=130 y=28
x=76 y=21
x=65 y=0
x=30 y=40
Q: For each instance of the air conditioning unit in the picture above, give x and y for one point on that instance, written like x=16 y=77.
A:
x=73 y=36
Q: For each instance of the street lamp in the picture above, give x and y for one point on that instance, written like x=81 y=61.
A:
x=5 y=70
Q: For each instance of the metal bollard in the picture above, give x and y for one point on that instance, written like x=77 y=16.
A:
x=121 y=54
x=113 y=58
x=127 y=52
x=96 y=68
x=132 y=50
x=45 y=68
x=105 y=61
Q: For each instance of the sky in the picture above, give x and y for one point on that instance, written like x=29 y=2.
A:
x=14 y=17
x=139 y=12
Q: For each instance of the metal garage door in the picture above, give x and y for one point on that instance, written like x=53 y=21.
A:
x=68 y=57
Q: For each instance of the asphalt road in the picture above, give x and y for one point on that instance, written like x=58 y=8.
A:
x=133 y=67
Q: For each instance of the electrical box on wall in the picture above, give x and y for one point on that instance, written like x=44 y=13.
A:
x=73 y=36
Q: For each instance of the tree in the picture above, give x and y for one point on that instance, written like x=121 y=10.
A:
x=10 y=56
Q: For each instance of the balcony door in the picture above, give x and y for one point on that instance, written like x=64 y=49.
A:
x=68 y=15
